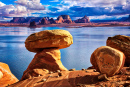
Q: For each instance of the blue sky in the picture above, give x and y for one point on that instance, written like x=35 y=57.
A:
x=95 y=9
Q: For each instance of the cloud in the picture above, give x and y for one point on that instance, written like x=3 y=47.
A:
x=96 y=3
x=1 y=4
x=54 y=1
x=23 y=8
x=31 y=4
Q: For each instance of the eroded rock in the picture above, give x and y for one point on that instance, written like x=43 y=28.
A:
x=7 y=77
x=48 y=39
x=48 y=59
x=107 y=60
x=1 y=74
x=121 y=43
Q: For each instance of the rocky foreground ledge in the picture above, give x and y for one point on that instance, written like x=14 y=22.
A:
x=110 y=64
x=80 y=78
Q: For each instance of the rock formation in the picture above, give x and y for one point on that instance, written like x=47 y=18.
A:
x=121 y=43
x=85 y=19
x=44 y=21
x=25 y=20
x=52 y=21
x=107 y=60
x=64 y=19
x=32 y=24
x=48 y=39
x=7 y=77
x=18 y=20
x=46 y=44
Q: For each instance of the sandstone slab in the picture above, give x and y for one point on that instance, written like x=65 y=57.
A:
x=48 y=59
x=107 y=60
x=121 y=43
x=75 y=79
x=7 y=78
x=48 y=39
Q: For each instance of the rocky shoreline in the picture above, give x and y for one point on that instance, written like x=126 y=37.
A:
x=110 y=64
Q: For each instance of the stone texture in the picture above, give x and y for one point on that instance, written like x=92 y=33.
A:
x=74 y=79
x=121 y=43
x=1 y=74
x=8 y=77
x=48 y=59
x=107 y=60
x=48 y=39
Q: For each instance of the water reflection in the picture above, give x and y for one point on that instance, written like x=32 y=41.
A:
x=86 y=40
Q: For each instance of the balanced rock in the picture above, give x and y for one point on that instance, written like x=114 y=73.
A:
x=7 y=77
x=121 y=43
x=48 y=39
x=107 y=60
x=48 y=59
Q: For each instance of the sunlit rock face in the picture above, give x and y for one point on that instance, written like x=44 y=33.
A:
x=121 y=43
x=107 y=60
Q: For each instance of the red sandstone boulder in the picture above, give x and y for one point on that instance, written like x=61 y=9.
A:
x=48 y=59
x=7 y=78
x=48 y=39
x=121 y=43
x=107 y=60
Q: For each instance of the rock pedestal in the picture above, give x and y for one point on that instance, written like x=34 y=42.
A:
x=46 y=44
x=6 y=77
x=121 y=43
x=107 y=60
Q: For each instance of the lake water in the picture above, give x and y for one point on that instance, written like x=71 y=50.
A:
x=86 y=40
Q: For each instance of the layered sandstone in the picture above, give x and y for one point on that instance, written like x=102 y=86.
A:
x=121 y=43
x=7 y=78
x=107 y=60
x=86 y=78
x=48 y=59
x=48 y=39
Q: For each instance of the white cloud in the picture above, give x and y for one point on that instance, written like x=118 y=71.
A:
x=31 y=4
x=1 y=4
x=96 y=3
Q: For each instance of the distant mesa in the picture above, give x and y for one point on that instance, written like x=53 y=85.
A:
x=44 y=21
x=85 y=19
x=25 y=20
x=64 y=19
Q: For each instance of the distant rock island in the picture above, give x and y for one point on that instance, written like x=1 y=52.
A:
x=46 y=20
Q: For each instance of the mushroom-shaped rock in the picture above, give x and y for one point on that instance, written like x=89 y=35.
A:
x=7 y=77
x=48 y=59
x=107 y=60
x=48 y=39
x=1 y=74
x=121 y=43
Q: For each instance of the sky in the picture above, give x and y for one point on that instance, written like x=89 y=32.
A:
x=94 y=9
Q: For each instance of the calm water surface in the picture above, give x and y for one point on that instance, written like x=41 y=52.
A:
x=86 y=40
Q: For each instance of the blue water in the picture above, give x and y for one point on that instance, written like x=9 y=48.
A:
x=86 y=40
